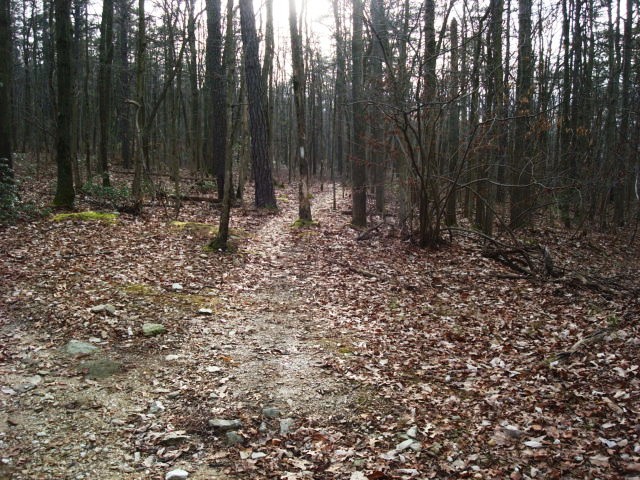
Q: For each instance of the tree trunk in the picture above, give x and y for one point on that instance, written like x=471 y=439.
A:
x=6 y=55
x=220 y=241
x=521 y=202
x=340 y=94
x=217 y=122
x=454 y=128
x=359 y=169
x=124 y=127
x=65 y=193
x=196 y=130
x=379 y=44
x=104 y=88
x=264 y=192
x=304 y=195
x=140 y=157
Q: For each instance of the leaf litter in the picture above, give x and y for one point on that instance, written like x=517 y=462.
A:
x=332 y=357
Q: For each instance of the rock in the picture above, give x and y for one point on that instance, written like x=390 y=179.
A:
x=76 y=347
x=263 y=428
x=258 y=455
x=29 y=383
x=205 y=311
x=107 y=308
x=234 y=438
x=172 y=357
x=270 y=412
x=151 y=329
x=412 y=432
x=156 y=407
x=285 y=425
x=100 y=368
x=225 y=425
x=177 y=287
x=177 y=474
x=406 y=444
x=174 y=438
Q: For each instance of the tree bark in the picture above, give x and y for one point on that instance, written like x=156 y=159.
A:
x=264 y=192
x=304 y=195
x=521 y=202
x=217 y=122
x=104 y=88
x=358 y=165
x=140 y=157
x=65 y=193
x=221 y=240
x=6 y=55
x=454 y=128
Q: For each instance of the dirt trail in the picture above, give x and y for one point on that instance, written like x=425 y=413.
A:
x=262 y=347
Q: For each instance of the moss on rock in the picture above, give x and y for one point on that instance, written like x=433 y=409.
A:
x=87 y=216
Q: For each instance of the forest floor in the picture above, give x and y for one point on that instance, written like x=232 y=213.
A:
x=309 y=353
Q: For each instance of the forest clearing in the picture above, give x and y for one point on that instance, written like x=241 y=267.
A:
x=330 y=356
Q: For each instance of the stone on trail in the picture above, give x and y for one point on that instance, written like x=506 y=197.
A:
x=177 y=474
x=270 y=412
x=76 y=347
x=107 y=307
x=225 y=425
x=174 y=438
x=234 y=438
x=205 y=311
x=28 y=384
x=100 y=368
x=285 y=425
x=152 y=329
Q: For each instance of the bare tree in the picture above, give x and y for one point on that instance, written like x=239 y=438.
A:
x=304 y=194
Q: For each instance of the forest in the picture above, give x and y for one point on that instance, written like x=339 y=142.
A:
x=318 y=239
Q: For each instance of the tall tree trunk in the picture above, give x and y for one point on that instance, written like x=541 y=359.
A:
x=217 y=121
x=6 y=56
x=264 y=192
x=141 y=156
x=623 y=183
x=521 y=202
x=104 y=88
x=358 y=168
x=429 y=228
x=340 y=93
x=196 y=130
x=220 y=241
x=124 y=127
x=379 y=44
x=267 y=75
x=65 y=193
x=304 y=194
x=454 y=128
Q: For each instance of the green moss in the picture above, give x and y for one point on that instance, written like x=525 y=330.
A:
x=88 y=216
x=138 y=289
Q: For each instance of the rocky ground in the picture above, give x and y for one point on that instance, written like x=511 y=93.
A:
x=308 y=353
